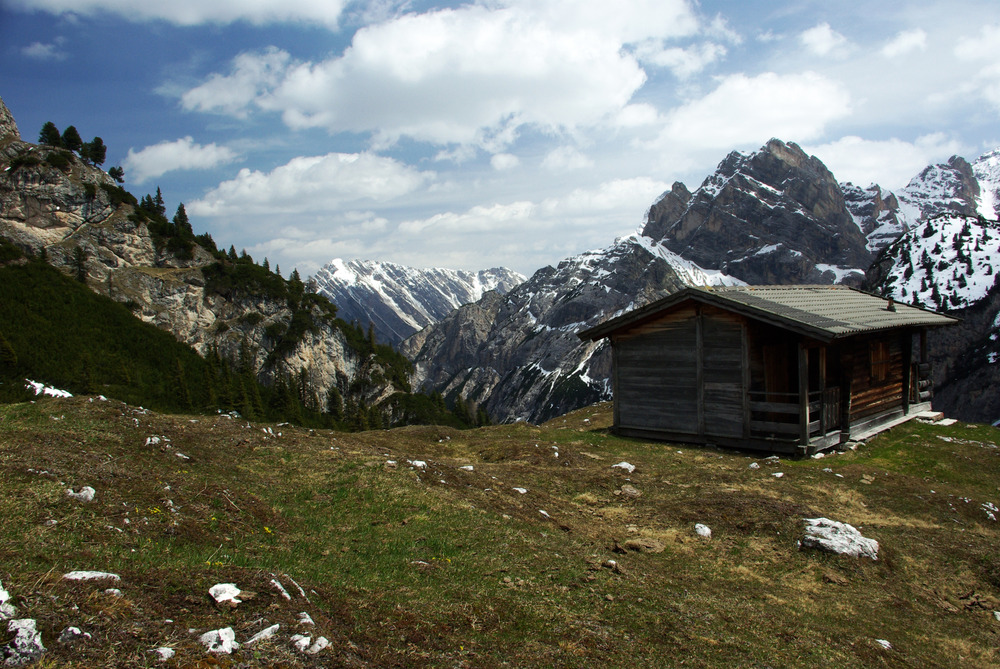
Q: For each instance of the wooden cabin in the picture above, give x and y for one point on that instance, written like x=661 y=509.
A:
x=791 y=369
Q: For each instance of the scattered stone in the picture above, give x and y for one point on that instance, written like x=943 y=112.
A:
x=834 y=578
x=778 y=475
x=818 y=456
x=467 y=468
x=318 y=645
x=645 y=545
x=613 y=565
x=990 y=509
x=26 y=647
x=301 y=642
x=71 y=635
x=754 y=465
x=946 y=422
x=265 y=633
x=86 y=494
x=996 y=614
x=832 y=536
x=305 y=619
x=631 y=491
x=520 y=490
x=281 y=589
x=703 y=531
x=419 y=464
x=391 y=464
x=885 y=644
x=91 y=576
x=544 y=513
x=225 y=592
x=7 y=609
x=114 y=592
x=867 y=479
x=772 y=459
x=220 y=641
x=624 y=465
x=164 y=653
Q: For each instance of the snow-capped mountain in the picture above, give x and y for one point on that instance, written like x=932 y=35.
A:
x=401 y=300
x=519 y=356
x=987 y=172
x=952 y=263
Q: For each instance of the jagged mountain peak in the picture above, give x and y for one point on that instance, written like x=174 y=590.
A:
x=776 y=215
x=399 y=300
x=986 y=168
x=8 y=126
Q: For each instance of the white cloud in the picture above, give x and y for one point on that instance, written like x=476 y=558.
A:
x=195 y=12
x=684 y=63
x=182 y=154
x=630 y=197
x=313 y=184
x=251 y=76
x=746 y=110
x=566 y=158
x=823 y=40
x=40 y=51
x=906 y=41
x=504 y=161
x=983 y=48
x=626 y=22
x=890 y=163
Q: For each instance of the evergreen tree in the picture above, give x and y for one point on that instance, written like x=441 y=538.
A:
x=335 y=404
x=117 y=173
x=161 y=208
x=181 y=222
x=180 y=389
x=8 y=358
x=80 y=264
x=71 y=139
x=95 y=151
x=265 y=265
x=50 y=135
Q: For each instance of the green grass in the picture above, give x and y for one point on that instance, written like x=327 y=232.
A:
x=442 y=566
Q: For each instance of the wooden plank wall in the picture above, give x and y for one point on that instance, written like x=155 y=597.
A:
x=869 y=397
x=664 y=381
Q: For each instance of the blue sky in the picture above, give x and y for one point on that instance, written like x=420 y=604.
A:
x=499 y=132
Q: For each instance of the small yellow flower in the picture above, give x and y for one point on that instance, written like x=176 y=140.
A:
x=268 y=530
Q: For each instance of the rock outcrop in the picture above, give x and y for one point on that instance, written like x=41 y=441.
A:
x=54 y=203
x=769 y=217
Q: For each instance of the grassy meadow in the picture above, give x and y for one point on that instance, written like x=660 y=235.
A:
x=415 y=547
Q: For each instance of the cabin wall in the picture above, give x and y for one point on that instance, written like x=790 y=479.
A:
x=876 y=375
x=683 y=373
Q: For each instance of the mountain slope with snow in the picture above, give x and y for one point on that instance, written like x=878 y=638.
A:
x=400 y=300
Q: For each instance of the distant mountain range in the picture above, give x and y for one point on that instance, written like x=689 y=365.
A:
x=775 y=215
x=398 y=300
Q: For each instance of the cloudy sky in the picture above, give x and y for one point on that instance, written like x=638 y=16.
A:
x=498 y=132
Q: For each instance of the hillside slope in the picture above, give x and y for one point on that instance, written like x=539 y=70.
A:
x=502 y=546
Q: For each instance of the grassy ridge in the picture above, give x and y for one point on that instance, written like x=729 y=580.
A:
x=405 y=565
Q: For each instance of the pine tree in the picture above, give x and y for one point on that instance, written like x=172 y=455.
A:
x=182 y=224
x=335 y=404
x=95 y=151
x=71 y=139
x=161 y=208
x=117 y=173
x=50 y=135
x=80 y=264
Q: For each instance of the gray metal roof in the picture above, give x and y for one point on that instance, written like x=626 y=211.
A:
x=823 y=312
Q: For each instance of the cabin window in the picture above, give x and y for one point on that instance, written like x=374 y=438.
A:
x=878 y=352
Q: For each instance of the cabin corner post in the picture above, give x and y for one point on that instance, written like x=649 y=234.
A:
x=906 y=340
x=615 y=402
x=700 y=368
x=803 y=395
x=846 y=392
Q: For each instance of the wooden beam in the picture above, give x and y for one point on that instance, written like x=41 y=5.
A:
x=803 y=394
x=744 y=334
x=699 y=337
x=822 y=388
x=906 y=339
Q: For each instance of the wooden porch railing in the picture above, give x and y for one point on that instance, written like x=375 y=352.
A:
x=776 y=415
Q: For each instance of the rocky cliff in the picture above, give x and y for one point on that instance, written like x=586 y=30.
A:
x=398 y=300
x=52 y=202
x=776 y=215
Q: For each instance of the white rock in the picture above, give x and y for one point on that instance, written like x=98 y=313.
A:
x=86 y=494
x=624 y=465
x=754 y=465
x=467 y=468
x=885 y=644
x=7 y=609
x=281 y=589
x=520 y=490
x=703 y=531
x=114 y=592
x=778 y=475
x=164 y=653
x=220 y=641
x=301 y=642
x=544 y=513
x=318 y=645
x=265 y=633
x=305 y=619
x=26 y=646
x=91 y=576
x=73 y=634
x=419 y=464
x=830 y=535
x=225 y=592
x=996 y=614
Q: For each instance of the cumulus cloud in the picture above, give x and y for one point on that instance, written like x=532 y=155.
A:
x=182 y=154
x=983 y=48
x=251 y=76
x=823 y=40
x=41 y=51
x=504 y=161
x=312 y=184
x=750 y=110
x=906 y=41
x=566 y=158
x=474 y=75
x=195 y=12
x=684 y=63
x=890 y=163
